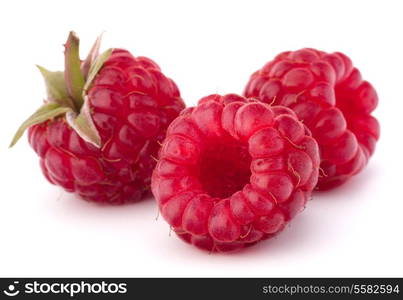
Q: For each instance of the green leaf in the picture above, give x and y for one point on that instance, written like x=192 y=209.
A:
x=84 y=125
x=45 y=112
x=91 y=57
x=55 y=87
x=72 y=73
x=96 y=66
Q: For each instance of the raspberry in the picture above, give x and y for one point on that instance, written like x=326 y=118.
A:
x=101 y=145
x=234 y=171
x=329 y=96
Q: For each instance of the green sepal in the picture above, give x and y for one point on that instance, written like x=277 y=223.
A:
x=84 y=125
x=66 y=91
x=55 y=87
x=95 y=67
x=45 y=112
x=91 y=57
x=74 y=79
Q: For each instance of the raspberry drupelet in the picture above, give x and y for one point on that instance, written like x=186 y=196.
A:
x=234 y=171
x=328 y=94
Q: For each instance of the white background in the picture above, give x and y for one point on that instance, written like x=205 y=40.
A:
x=206 y=47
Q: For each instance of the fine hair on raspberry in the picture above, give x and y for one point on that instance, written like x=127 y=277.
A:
x=329 y=95
x=234 y=171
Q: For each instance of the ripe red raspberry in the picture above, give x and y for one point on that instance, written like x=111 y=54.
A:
x=233 y=171
x=329 y=96
x=100 y=126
